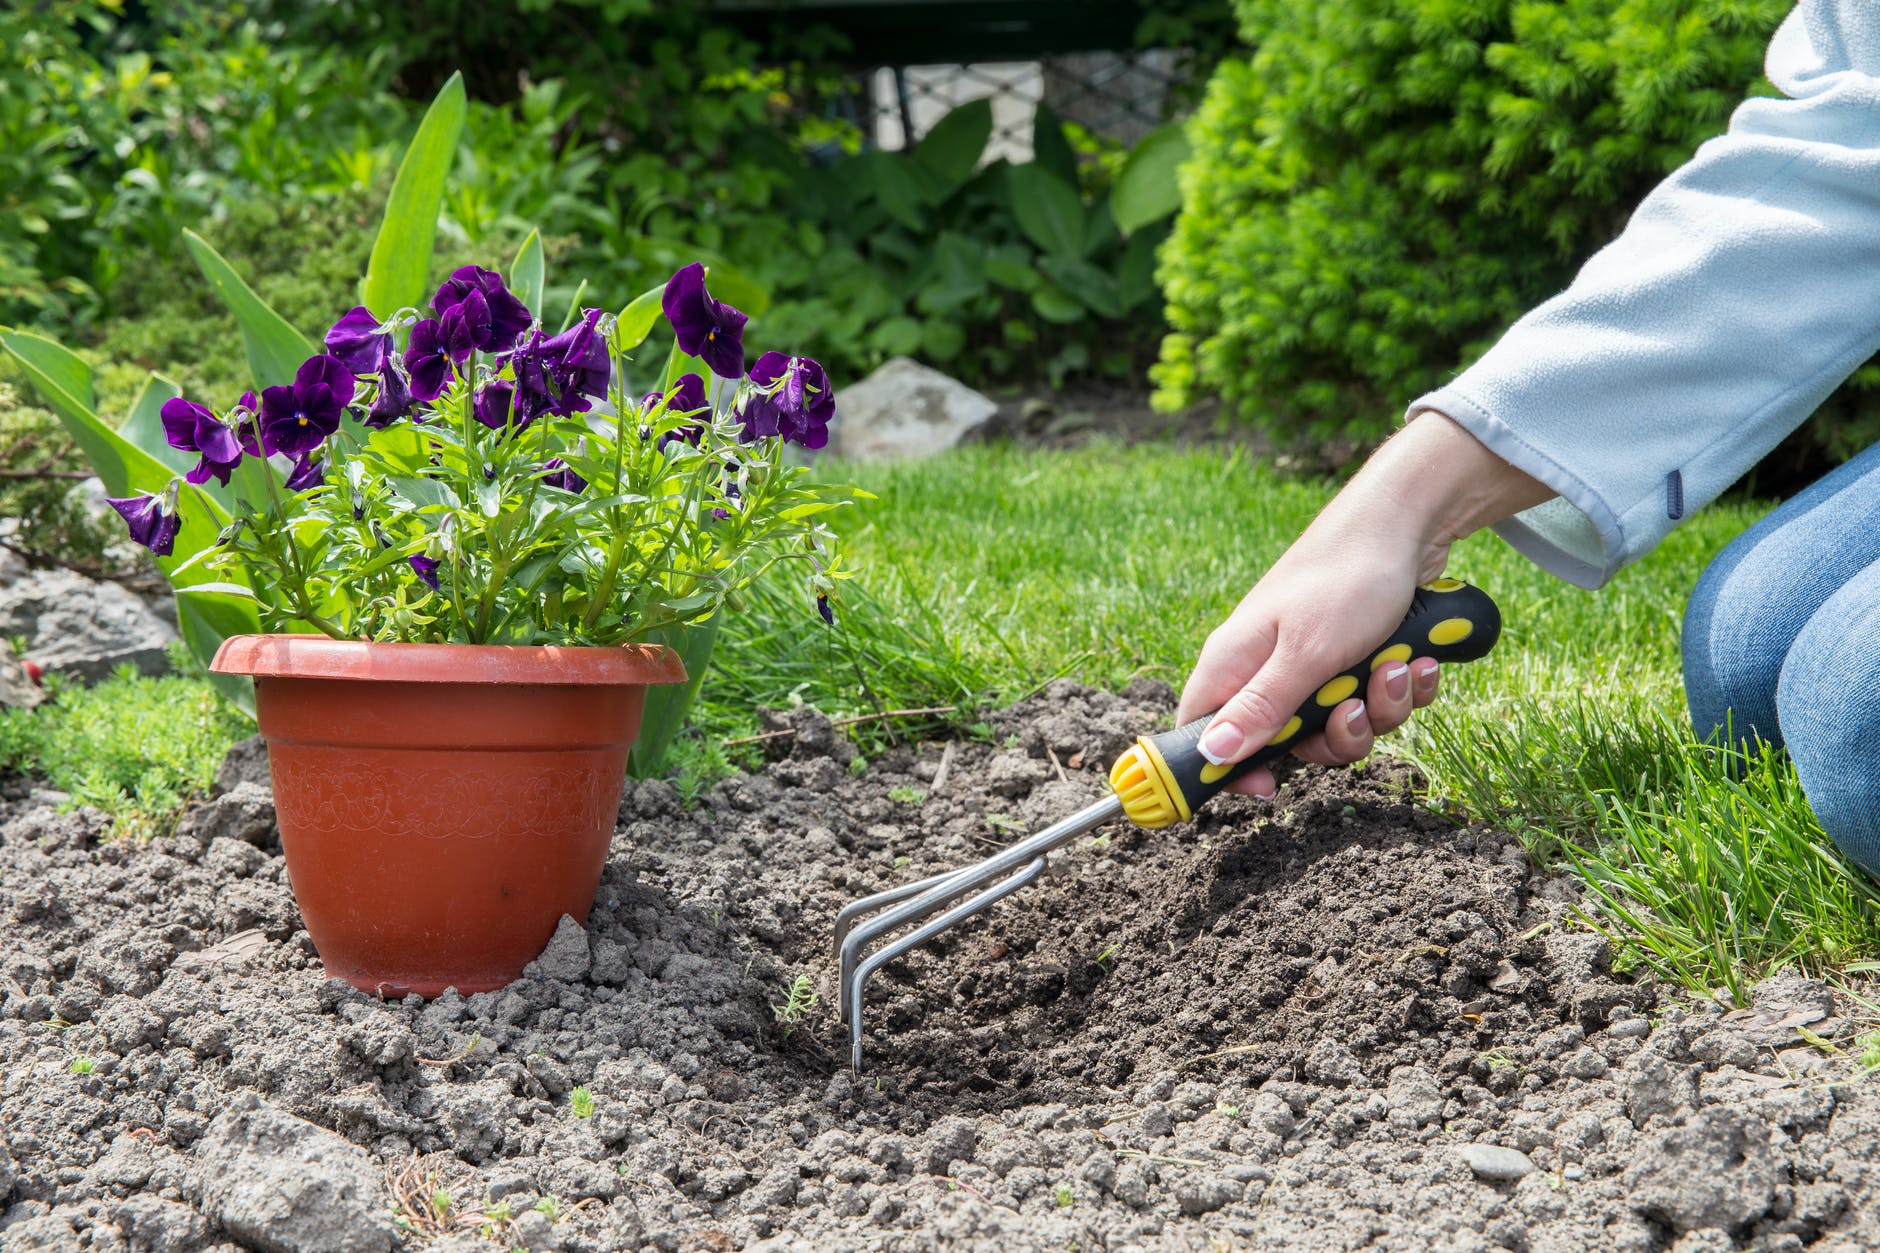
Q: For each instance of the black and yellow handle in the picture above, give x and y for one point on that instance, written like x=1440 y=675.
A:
x=1164 y=778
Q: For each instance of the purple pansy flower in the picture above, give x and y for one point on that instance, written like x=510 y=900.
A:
x=151 y=520
x=688 y=396
x=356 y=340
x=247 y=416
x=296 y=419
x=794 y=401
x=308 y=471
x=562 y=373
x=192 y=428
x=824 y=608
x=508 y=316
x=493 y=404
x=394 y=399
x=707 y=329
x=425 y=568
x=561 y=474
x=438 y=344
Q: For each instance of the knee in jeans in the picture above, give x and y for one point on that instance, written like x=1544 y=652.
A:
x=1730 y=666
x=1828 y=701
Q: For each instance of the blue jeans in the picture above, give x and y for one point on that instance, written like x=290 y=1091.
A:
x=1782 y=639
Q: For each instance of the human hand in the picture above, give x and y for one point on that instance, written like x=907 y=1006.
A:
x=1342 y=587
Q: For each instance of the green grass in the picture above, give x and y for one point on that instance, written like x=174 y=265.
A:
x=990 y=571
x=135 y=747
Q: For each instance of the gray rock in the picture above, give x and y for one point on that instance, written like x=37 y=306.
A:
x=1651 y=1085
x=533 y=1231
x=244 y=813
x=83 y=627
x=1493 y=1162
x=283 y=1185
x=566 y=958
x=905 y=409
x=17 y=689
x=247 y=762
x=1717 y=1170
x=1330 y=1062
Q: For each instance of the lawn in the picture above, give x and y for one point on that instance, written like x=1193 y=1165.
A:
x=992 y=570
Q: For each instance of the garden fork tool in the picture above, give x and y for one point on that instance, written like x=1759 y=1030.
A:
x=1160 y=780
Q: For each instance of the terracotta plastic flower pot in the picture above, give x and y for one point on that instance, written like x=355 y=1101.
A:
x=443 y=805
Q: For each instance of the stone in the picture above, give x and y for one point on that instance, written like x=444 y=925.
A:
x=247 y=762
x=83 y=627
x=952 y=1139
x=1496 y=1163
x=1717 y=1170
x=566 y=958
x=245 y=814
x=280 y=1184
x=17 y=689
x=159 y=1226
x=904 y=410
x=1330 y=1062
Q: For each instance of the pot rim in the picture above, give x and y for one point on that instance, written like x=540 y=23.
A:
x=290 y=656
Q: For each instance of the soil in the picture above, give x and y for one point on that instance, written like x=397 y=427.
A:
x=1332 y=1021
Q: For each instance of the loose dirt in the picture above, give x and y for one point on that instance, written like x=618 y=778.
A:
x=1332 y=1021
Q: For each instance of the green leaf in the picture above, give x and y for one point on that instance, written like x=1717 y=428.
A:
x=1013 y=273
x=1092 y=286
x=204 y=621
x=1049 y=210
x=1049 y=147
x=56 y=372
x=400 y=266
x=905 y=188
x=898 y=336
x=726 y=281
x=953 y=147
x=275 y=349
x=1135 y=277
x=942 y=341
x=955 y=276
x=1054 y=304
x=668 y=703
x=569 y=318
x=144 y=428
x=637 y=320
x=1146 y=188
x=527 y=273
x=237 y=590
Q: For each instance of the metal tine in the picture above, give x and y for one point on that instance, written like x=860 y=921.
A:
x=887 y=953
x=931 y=895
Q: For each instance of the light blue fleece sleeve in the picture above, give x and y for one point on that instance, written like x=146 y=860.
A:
x=1744 y=289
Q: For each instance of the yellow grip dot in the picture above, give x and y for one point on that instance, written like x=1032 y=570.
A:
x=1211 y=772
x=1335 y=691
x=1443 y=585
x=1288 y=731
x=1451 y=631
x=1396 y=652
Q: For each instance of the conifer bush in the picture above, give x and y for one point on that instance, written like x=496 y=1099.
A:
x=1383 y=185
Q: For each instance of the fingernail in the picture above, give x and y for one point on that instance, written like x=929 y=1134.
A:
x=1397 y=680
x=1426 y=678
x=1355 y=719
x=1221 y=742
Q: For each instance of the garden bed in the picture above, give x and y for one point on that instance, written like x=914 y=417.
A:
x=1331 y=1021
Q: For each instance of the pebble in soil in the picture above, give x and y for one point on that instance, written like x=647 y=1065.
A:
x=1335 y=1021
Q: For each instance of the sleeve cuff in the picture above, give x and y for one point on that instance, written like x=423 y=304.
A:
x=1576 y=537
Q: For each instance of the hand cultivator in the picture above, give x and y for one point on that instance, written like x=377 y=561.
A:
x=1161 y=780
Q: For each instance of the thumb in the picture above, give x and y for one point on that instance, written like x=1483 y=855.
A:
x=1260 y=711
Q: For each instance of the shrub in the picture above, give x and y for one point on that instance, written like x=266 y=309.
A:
x=1386 y=184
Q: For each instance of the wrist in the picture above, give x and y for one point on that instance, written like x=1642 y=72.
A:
x=1445 y=483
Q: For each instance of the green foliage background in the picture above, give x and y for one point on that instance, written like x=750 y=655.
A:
x=1383 y=185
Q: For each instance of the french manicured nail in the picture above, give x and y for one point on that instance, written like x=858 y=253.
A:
x=1221 y=742
x=1426 y=677
x=1397 y=680
x=1357 y=721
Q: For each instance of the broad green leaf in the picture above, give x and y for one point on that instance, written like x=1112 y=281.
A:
x=636 y=321
x=1049 y=147
x=1146 y=188
x=1049 y=210
x=1054 y=304
x=1135 y=277
x=275 y=349
x=1013 y=273
x=527 y=273
x=956 y=275
x=904 y=187
x=204 y=621
x=668 y=703
x=237 y=590
x=953 y=147
x=57 y=372
x=400 y=267
x=144 y=428
x=942 y=341
x=1093 y=287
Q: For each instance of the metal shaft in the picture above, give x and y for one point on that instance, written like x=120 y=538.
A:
x=1006 y=872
